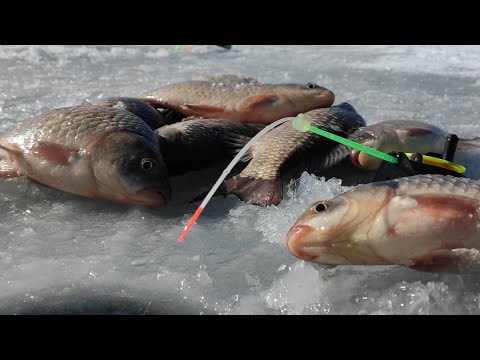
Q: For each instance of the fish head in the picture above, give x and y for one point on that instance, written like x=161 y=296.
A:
x=129 y=168
x=330 y=232
x=309 y=96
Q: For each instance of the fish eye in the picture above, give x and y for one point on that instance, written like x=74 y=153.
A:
x=147 y=164
x=312 y=86
x=320 y=207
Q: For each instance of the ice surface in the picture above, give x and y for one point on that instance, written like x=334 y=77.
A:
x=61 y=253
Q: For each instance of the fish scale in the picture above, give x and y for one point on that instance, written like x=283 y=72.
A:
x=153 y=118
x=421 y=184
x=220 y=94
x=197 y=143
x=271 y=152
x=86 y=121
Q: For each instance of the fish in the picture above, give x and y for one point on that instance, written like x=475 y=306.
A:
x=284 y=148
x=196 y=143
x=239 y=99
x=401 y=136
x=424 y=222
x=138 y=107
x=89 y=150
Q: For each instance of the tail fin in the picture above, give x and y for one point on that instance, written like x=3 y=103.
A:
x=8 y=167
x=253 y=191
x=256 y=191
x=467 y=144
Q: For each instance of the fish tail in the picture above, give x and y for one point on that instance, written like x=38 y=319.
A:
x=256 y=191
x=466 y=144
x=8 y=168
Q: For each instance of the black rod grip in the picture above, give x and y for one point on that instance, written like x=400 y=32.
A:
x=450 y=147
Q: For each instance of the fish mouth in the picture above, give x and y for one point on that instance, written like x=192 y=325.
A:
x=153 y=196
x=364 y=161
x=355 y=159
x=296 y=244
x=302 y=246
x=327 y=97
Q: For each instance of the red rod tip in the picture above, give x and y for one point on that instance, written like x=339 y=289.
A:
x=190 y=223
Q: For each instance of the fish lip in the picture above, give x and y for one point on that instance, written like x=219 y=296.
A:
x=293 y=241
x=367 y=165
x=156 y=195
x=354 y=157
x=298 y=244
x=328 y=96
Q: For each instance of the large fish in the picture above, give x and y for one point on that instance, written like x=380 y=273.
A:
x=196 y=143
x=426 y=222
x=240 y=99
x=401 y=135
x=285 y=148
x=89 y=150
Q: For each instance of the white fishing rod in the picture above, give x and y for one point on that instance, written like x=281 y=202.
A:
x=225 y=172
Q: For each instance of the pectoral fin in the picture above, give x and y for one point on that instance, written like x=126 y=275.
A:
x=52 y=152
x=419 y=132
x=451 y=219
x=256 y=102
